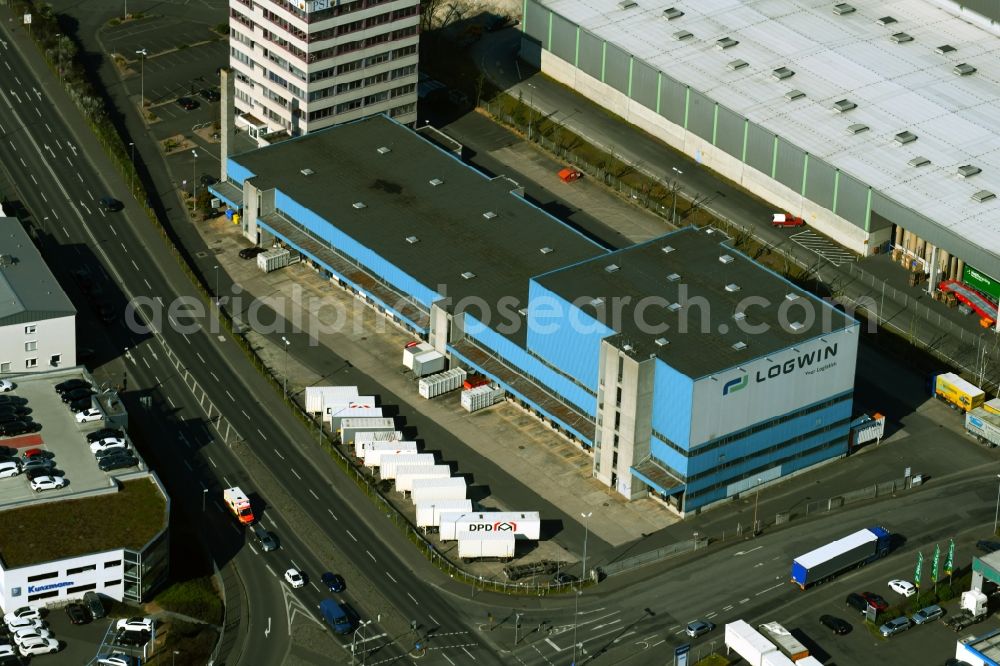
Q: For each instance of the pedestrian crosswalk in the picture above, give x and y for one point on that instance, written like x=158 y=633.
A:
x=824 y=247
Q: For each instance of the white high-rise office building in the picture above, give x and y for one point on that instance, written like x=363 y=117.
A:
x=305 y=65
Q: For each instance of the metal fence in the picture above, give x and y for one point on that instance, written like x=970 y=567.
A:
x=880 y=489
x=651 y=557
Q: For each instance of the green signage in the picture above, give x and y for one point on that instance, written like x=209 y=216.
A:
x=981 y=281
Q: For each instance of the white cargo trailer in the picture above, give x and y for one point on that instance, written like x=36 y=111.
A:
x=273 y=259
x=428 y=362
x=494 y=546
x=429 y=513
x=348 y=427
x=776 y=659
x=339 y=408
x=452 y=488
x=524 y=524
x=390 y=463
x=372 y=455
x=361 y=412
x=413 y=349
x=407 y=474
x=809 y=661
x=382 y=436
x=748 y=642
x=443 y=382
x=317 y=396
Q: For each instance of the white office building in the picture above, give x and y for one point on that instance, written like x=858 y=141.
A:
x=37 y=319
x=305 y=65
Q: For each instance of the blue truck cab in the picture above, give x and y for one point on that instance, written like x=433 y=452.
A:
x=336 y=616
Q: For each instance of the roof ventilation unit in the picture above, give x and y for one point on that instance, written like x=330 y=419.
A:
x=968 y=170
x=435 y=182
x=793 y=95
x=667 y=249
x=733 y=287
x=682 y=35
x=963 y=69
x=674 y=277
x=726 y=259
x=674 y=307
x=843 y=105
x=983 y=195
x=671 y=13
x=791 y=296
x=627 y=4
x=739 y=346
x=945 y=49
x=307 y=172
x=412 y=240
x=468 y=275
x=489 y=215
x=546 y=250
x=886 y=20
x=796 y=326
x=359 y=205
x=382 y=150
x=857 y=128
x=627 y=347
x=782 y=73
x=901 y=38
x=843 y=8
x=904 y=138
x=739 y=316
x=725 y=43
x=737 y=64
x=612 y=268
x=661 y=342
x=596 y=301
x=919 y=161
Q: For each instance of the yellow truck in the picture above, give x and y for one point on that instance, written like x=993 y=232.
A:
x=957 y=392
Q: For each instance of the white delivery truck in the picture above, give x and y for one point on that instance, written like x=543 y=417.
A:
x=524 y=524
x=362 y=438
x=429 y=513
x=486 y=545
x=389 y=463
x=452 y=488
x=348 y=427
x=407 y=474
x=372 y=455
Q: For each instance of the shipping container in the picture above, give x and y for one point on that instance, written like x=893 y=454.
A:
x=348 y=427
x=481 y=397
x=524 y=524
x=776 y=659
x=316 y=396
x=957 y=392
x=273 y=259
x=838 y=556
x=336 y=418
x=809 y=661
x=453 y=488
x=411 y=350
x=377 y=436
x=407 y=474
x=429 y=513
x=390 y=462
x=474 y=546
x=443 y=382
x=748 y=642
x=983 y=423
x=373 y=452
x=788 y=644
x=428 y=362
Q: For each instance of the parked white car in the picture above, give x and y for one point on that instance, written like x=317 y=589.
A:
x=39 y=646
x=135 y=624
x=106 y=444
x=294 y=578
x=904 y=587
x=22 y=636
x=38 y=484
x=7 y=650
x=16 y=623
x=23 y=613
x=88 y=415
x=6 y=385
x=9 y=468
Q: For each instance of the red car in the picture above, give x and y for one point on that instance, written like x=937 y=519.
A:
x=786 y=220
x=877 y=602
x=569 y=175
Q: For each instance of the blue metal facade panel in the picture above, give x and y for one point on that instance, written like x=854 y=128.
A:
x=237 y=172
x=668 y=455
x=515 y=356
x=370 y=260
x=565 y=336
x=673 y=394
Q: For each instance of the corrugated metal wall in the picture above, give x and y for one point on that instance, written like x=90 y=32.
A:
x=673 y=100
x=645 y=81
x=701 y=115
x=820 y=182
x=760 y=148
x=852 y=200
x=563 y=39
x=536 y=22
x=591 y=54
x=616 y=68
x=729 y=132
x=788 y=168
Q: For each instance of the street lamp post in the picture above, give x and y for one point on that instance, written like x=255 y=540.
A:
x=756 y=500
x=579 y=591
x=354 y=640
x=216 y=284
x=204 y=494
x=131 y=145
x=142 y=53
x=517 y=626
x=194 y=183
x=997 y=514
x=285 y=381
x=673 y=208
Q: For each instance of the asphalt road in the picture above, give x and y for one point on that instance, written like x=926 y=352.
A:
x=60 y=181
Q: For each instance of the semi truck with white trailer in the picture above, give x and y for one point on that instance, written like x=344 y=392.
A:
x=372 y=455
x=983 y=423
x=790 y=646
x=425 y=490
x=407 y=474
x=429 y=513
x=348 y=427
x=748 y=642
x=389 y=463
x=852 y=551
x=498 y=546
x=363 y=438
x=957 y=392
x=524 y=524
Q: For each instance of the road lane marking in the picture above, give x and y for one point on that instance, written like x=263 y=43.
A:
x=416 y=602
x=213 y=375
x=315 y=496
x=743 y=601
x=33 y=178
x=773 y=587
x=230 y=395
x=709 y=616
x=292 y=469
x=125 y=249
x=213 y=462
x=332 y=514
x=147 y=363
x=727 y=608
x=351 y=535
x=262 y=434
x=469 y=653
x=391 y=577
x=449 y=660
x=278 y=453
x=171 y=401
x=271 y=570
x=371 y=556
x=746 y=552
x=433 y=619
x=228 y=482
x=245 y=414
x=188 y=465
x=199 y=357
x=252 y=548
x=148 y=286
x=315 y=588
x=135 y=264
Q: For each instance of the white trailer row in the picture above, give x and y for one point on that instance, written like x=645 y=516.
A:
x=525 y=524
x=441 y=383
x=405 y=476
x=494 y=546
x=374 y=451
x=429 y=513
x=318 y=396
x=389 y=463
x=429 y=490
x=366 y=439
x=481 y=397
x=348 y=427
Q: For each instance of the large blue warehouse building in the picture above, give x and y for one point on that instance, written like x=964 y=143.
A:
x=689 y=371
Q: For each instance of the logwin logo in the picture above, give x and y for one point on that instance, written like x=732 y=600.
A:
x=734 y=385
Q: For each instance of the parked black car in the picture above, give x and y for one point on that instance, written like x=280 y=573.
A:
x=108 y=463
x=835 y=624
x=18 y=428
x=855 y=600
x=132 y=638
x=209 y=95
x=81 y=404
x=93 y=602
x=10 y=417
x=187 y=103
x=11 y=408
x=110 y=205
x=71 y=385
x=77 y=394
x=987 y=547
x=104 y=433
x=12 y=400
x=250 y=252
x=78 y=613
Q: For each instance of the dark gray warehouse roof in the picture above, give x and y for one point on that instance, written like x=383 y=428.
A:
x=691 y=276
x=421 y=209
x=28 y=289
